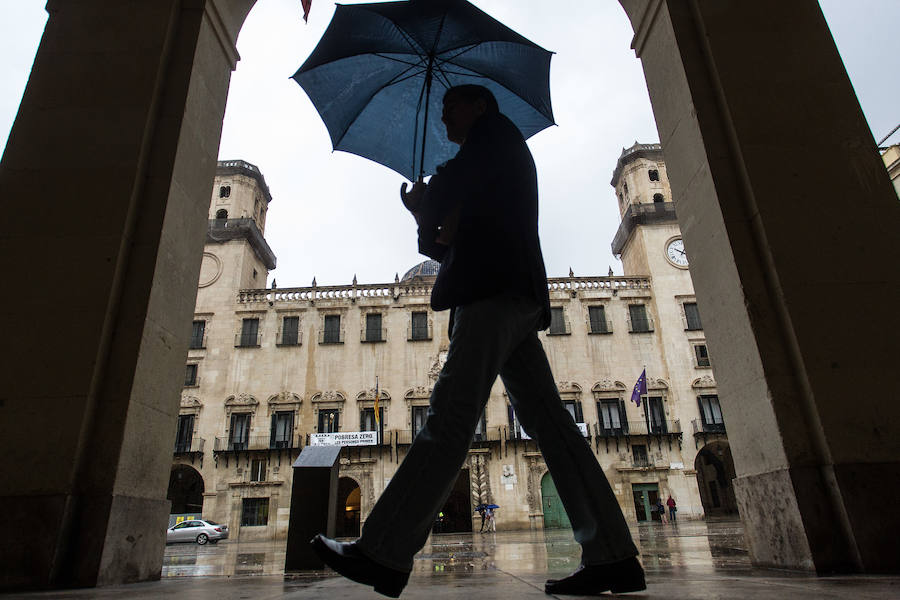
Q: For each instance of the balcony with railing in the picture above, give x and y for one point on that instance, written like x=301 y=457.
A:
x=192 y=446
x=612 y=430
x=642 y=214
x=699 y=426
x=257 y=442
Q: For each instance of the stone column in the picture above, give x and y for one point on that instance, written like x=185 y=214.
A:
x=791 y=226
x=105 y=189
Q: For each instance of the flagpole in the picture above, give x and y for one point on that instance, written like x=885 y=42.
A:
x=647 y=407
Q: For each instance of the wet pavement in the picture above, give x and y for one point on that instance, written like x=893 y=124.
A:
x=695 y=559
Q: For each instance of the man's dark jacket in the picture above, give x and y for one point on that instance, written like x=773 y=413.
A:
x=496 y=248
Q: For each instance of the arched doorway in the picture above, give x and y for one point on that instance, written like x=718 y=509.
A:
x=715 y=470
x=348 y=508
x=185 y=491
x=555 y=516
x=456 y=514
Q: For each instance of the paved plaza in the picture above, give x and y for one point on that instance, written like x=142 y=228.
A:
x=693 y=560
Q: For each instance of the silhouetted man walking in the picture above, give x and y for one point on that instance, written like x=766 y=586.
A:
x=478 y=216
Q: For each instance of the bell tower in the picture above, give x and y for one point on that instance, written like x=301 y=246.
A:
x=648 y=239
x=236 y=255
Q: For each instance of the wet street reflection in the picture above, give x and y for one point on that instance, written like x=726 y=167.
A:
x=715 y=545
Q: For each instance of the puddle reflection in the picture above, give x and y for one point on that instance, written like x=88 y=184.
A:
x=700 y=546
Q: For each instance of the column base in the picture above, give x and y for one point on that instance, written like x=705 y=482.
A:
x=789 y=522
x=118 y=539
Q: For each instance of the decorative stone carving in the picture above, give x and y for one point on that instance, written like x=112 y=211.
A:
x=328 y=396
x=243 y=400
x=284 y=401
x=536 y=470
x=608 y=385
x=191 y=402
x=657 y=384
x=704 y=382
x=569 y=389
x=369 y=394
x=285 y=397
x=418 y=393
x=437 y=364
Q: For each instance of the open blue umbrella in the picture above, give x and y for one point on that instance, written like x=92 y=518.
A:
x=378 y=76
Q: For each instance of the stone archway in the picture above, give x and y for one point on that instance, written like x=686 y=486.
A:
x=348 y=509
x=715 y=474
x=185 y=492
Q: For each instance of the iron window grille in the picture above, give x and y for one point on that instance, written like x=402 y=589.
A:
x=639 y=456
x=255 y=512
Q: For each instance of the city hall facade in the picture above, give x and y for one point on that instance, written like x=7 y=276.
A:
x=270 y=371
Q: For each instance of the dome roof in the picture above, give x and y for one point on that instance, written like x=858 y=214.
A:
x=429 y=268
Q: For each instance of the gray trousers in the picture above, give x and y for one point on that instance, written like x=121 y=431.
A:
x=490 y=337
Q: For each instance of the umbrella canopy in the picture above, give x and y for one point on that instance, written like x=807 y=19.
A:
x=378 y=76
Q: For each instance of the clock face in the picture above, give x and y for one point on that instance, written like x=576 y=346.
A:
x=675 y=253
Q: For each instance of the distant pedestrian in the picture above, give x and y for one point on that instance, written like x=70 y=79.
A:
x=661 y=510
x=671 y=504
x=491 y=523
x=480 y=509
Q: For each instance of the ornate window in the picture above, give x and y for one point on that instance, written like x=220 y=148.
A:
x=559 y=322
x=638 y=320
x=190 y=376
x=597 y=321
x=289 y=334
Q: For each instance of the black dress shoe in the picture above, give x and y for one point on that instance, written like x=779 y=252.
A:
x=592 y=580
x=346 y=559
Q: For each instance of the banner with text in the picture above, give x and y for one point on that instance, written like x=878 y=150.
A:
x=345 y=438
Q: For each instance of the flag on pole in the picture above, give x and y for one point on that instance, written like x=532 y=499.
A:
x=640 y=388
x=377 y=418
x=305 y=4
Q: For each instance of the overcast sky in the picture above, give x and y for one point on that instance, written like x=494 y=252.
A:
x=334 y=215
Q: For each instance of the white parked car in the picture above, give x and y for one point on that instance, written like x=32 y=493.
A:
x=197 y=530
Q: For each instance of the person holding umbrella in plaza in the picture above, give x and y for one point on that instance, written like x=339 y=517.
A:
x=478 y=217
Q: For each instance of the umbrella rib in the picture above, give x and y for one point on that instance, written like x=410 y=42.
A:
x=409 y=62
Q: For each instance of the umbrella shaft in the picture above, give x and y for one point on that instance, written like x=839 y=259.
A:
x=428 y=76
